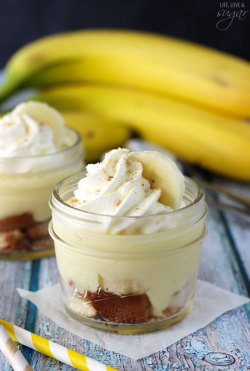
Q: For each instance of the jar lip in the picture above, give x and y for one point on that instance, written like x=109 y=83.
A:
x=68 y=148
x=82 y=213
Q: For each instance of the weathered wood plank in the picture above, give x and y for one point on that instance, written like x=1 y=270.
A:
x=239 y=228
x=12 y=308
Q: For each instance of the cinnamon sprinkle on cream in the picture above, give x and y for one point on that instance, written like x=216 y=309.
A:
x=118 y=202
x=73 y=201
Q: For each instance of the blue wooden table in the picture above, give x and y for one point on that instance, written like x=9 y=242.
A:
x=222 y=345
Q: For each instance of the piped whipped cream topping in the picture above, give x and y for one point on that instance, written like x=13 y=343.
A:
x=20 y=135
x=29 y=133
x=116 y=187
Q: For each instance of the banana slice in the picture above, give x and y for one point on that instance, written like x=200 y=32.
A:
x=42 y=112
x=163 y=174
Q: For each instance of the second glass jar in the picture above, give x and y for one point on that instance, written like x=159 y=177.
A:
x=25 y=187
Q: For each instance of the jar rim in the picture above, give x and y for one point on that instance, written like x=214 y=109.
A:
x=44 y=156
x=83 y=214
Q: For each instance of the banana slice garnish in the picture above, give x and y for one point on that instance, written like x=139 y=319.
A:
x=163 y=174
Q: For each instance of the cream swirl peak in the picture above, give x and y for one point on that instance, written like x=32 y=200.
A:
x=31 y=129
x=129 y=192
x=117 y=187
x=23 y=136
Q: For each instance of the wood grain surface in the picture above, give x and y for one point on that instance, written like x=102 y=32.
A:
x=222 y=345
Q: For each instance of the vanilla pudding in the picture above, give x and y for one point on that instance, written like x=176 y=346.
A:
x=129 y=256
x=36 y=151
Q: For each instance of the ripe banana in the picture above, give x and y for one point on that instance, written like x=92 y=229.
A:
x=217 y=142
x=141 y=60
x=98 y=134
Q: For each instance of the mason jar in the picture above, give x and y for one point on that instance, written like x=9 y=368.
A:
x=127 y=282
x=26 y=184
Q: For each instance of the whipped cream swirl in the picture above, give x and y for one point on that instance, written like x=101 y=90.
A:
x=32 y=138
x=20 y=135
x=116 y=187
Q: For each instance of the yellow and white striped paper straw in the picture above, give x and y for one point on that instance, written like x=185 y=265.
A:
x=12 y=353
x=59 y=352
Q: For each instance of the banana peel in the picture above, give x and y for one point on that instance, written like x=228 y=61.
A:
x=98 y=134
x=159 y=64
x=216 y=142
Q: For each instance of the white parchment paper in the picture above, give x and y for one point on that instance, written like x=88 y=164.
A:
x=209 y=303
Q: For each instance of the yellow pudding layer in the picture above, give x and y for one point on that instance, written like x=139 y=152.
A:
x=160 y=265
x=29 y=193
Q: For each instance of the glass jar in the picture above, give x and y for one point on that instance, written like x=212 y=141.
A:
x=127 y=282
x=26 y=184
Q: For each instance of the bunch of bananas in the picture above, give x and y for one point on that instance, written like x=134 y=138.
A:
x=190 y=99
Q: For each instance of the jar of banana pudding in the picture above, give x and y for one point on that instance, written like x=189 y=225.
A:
x=129 y=256
x=36 y=151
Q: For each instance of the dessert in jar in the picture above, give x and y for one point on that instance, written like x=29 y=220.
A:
x=36 y=151
x=129 y=257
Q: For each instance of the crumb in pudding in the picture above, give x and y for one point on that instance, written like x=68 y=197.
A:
x=110 y=307
x=22 y=232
